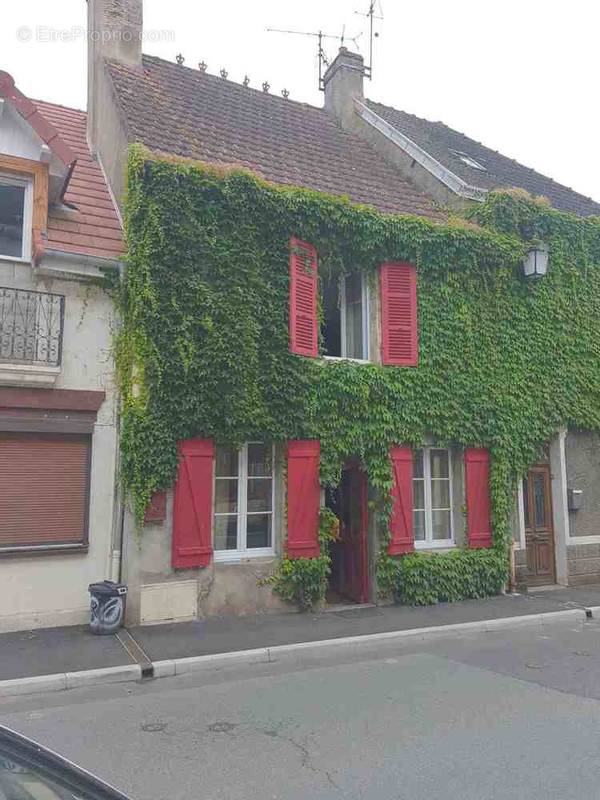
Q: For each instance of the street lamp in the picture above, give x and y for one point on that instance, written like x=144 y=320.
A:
x=536 y=262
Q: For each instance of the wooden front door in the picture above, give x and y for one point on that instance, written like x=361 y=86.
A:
x=539 y=531
x=349 y=568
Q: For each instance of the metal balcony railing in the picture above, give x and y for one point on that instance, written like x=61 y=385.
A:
x=31 y=327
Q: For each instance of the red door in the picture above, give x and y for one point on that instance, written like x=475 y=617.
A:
x=349 y=569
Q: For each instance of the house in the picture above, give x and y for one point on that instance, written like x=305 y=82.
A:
x=60 y=237
x=436 y=380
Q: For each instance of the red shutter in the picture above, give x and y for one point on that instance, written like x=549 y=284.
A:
x=303 y=299
x=192 y=505
x=401 y=522
x=399 y=345
x=156 y=510
x=477 y=479
x=303 y=498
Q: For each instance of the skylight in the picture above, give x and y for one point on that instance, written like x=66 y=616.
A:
x=469 y=160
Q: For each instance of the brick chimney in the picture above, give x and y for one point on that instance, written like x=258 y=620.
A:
x=343 y=81
x=114 y=32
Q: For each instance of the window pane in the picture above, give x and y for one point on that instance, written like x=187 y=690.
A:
x=354 y=317
x=439 y=463
x=419 y=525
x=526 y=501
x=441 y=524
x=260 y=492
x=226 y=532
x=419 y=493
x=440 y=494
x=226 y=496
x=12 y=206
x=418 y=464
x=227 y=462
x=259 y=531
x=538 y=500
x=260 y=460
x=331 y=328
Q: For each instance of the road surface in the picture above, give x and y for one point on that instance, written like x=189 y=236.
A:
x=479 y=716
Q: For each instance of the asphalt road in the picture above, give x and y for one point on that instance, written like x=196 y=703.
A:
x=487 y=715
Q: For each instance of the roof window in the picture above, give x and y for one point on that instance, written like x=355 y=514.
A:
x=469 y=160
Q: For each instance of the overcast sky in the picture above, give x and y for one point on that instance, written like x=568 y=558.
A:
x=521 y=76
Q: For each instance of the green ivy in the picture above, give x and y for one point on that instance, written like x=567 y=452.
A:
x=304 y=581
x=204 y=349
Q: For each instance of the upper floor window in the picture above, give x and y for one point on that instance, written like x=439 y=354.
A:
x=243 y=521
x=432 y=497
x=345 y=328
x=15 y=218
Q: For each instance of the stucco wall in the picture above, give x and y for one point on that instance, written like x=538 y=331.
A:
x=583 y=472
x=51 y=589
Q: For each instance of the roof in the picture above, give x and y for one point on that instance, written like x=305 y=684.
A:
x=447 y=145
x=27 y=109
x=93 y=227
x=174 y=109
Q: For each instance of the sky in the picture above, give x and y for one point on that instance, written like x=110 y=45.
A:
x=518 y=75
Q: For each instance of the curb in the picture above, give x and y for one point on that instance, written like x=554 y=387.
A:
x=70 y=680
x=265 y=655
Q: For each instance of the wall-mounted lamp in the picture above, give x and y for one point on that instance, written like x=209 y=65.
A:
x=536 y=262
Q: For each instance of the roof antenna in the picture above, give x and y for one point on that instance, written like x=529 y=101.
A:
x=371 y=15
x=319 y=35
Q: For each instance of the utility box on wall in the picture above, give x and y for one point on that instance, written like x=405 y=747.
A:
x=575 y=499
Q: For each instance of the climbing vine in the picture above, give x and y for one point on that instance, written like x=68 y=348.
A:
x=204 y=351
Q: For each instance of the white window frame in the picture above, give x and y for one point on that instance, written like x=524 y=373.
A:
x=242 y=551
x=429 y=543
x=365 y=322
x=13 y=180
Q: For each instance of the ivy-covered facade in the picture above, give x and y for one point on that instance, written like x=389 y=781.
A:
x=217 y=403
x=330 y=383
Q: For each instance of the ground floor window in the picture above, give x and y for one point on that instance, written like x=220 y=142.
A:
x=243 y=516
x=432 y=498
x=44 y=490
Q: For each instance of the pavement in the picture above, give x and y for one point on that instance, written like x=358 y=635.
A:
x=60 y=651
x=480 y=715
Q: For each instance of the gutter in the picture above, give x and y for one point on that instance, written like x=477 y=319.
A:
x=75 y=266
x=422 y=157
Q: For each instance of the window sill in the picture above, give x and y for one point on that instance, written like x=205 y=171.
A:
x=24 y=375
x=43 y=550
x=15 y=259
x=347 y=358
x=445 y=544
x=237 y=557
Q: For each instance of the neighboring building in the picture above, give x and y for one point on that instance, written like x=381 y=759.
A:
x=59 y=235
x=188 y=565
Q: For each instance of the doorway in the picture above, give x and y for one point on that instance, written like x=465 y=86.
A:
x=539 y=529
x=349 y=555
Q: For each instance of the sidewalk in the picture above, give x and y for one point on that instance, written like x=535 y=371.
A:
x=66 y=650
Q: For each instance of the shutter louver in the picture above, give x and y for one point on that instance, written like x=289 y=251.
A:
x=399 y=343
x=477 y=479
x=303 y=498
x=192 y=504
x=401 y=522
x=303 y=299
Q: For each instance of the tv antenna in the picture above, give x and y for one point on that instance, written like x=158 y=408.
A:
x=371 y=15
x=319 y=35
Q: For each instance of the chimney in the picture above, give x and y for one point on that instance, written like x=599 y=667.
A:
x=342 y=82
x=115 y=32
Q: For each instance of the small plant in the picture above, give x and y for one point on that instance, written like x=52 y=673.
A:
x=304 y=581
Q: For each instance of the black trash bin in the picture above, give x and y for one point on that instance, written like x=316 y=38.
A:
x=107 y=606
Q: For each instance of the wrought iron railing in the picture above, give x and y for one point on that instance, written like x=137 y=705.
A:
x=31 y=327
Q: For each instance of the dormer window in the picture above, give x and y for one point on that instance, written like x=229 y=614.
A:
x=15 y=218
